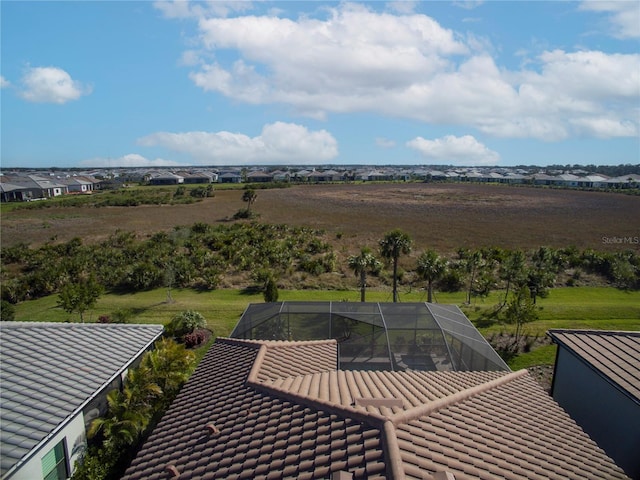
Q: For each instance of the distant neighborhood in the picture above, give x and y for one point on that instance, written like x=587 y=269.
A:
x=28 y=185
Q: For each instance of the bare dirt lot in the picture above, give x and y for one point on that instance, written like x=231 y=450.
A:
x=440 y=216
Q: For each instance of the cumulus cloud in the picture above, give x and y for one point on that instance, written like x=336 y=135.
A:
x=465 y=150
x=130 y=160
x=623 y=16
x=408 y=66
x=4 y=82
x=279 y=142
x=51 y=85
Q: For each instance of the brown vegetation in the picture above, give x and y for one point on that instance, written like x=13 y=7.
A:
x=439 y=216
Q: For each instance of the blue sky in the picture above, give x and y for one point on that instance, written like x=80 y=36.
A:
x=119 y=83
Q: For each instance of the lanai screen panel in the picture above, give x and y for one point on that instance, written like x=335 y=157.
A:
x=469 y=350
x=363 y=343
x=259 y=321
x=415 y=338
x=378 y=336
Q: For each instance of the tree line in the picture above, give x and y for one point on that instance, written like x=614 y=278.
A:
x=258 y=255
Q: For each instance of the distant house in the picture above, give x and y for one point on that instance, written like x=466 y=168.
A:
x=592 y=181
x=258 y=176
x=374 y=176
x=29 y=187
x=230 y=177
x=197 y=177
x=54 y=378
x=80 y=184
x=597 y=381
x=624 y=181
x=565 y=180
x=166 y=178
x=318 y=176
x=281 y=409
x=542 y=179
x=281 y=176
x=302 y=175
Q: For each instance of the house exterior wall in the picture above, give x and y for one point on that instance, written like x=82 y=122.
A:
x=75 y=445
x=607 y=415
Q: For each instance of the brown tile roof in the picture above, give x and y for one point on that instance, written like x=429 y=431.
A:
x=615 y=355
x=281 y=410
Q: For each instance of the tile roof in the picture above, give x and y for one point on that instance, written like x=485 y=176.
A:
x=50 y=370
x=615 y=355
x=282 y=410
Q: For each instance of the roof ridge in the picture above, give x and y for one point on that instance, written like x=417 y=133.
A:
x=595 y=332
x=428 y=408
x=240 y=342
x=275 y=343
x=374 y=419
x=20 y=324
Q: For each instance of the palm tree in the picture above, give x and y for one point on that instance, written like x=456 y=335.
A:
x=123 y=424
x=395 y=243
x=361 y=264
x=431 y=267
x=249 y=196
x=169 y=365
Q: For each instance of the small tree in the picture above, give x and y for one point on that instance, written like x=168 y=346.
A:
x=270 y=293
x=512 y=271
x=249 y=196
x=362 y=264
x=80 y=295
x=395 y=243
x=520 y=311
x=431 y=268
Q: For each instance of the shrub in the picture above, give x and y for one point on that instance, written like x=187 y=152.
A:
x=243 y=213
x=7 y=311
x=184 y=323
x=195 y=338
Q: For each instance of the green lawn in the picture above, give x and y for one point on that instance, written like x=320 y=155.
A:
x=573 y=308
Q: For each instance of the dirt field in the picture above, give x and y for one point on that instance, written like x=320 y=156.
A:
x=440 y=216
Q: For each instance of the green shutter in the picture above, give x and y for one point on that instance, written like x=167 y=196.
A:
x=51 y=461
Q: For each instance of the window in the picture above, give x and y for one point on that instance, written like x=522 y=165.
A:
x=54 y=463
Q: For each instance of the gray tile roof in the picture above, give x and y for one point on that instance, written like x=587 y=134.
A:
x=50 y=370
x=613 y=354
x=273 y=410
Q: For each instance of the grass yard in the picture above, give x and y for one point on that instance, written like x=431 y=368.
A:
x=595 y=308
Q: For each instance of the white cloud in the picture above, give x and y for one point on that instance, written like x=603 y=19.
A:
x=408 y=66
x=465 y=150
x=624 y=16
x=468 y=4
x=402 y=6
x=51 y=85
x=188 y=9
x=282 y=143
x=130 y=160
x=385 y=142
x=4 y=83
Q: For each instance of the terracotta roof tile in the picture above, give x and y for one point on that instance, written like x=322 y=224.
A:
x=280 y=413
x=243 y=418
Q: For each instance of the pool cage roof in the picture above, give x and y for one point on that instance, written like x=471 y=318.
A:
x=377 y=336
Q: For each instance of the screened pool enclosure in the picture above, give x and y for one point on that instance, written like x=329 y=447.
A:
x=377 y=336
